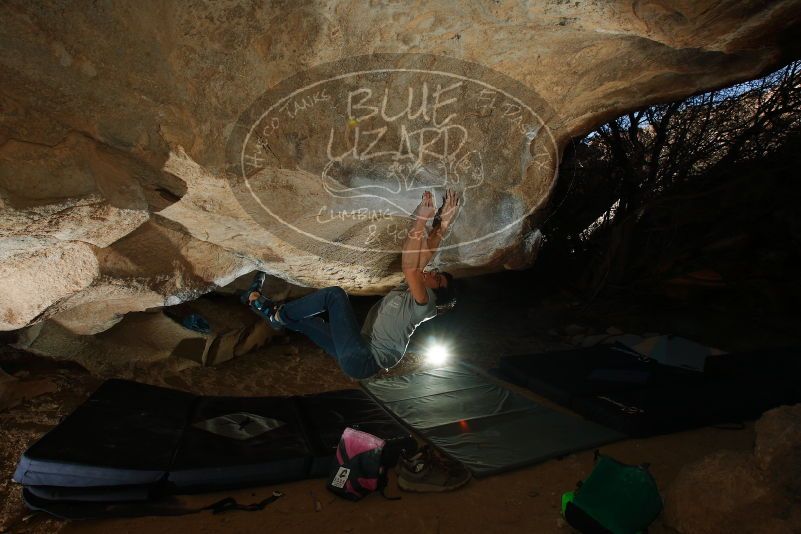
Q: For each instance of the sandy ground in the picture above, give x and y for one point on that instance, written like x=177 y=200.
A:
x=526 y=500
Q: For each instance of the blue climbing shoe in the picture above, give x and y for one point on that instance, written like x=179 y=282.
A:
x=258 y=281
x=268 y=310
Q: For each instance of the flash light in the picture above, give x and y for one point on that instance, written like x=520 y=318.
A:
x=437 y=354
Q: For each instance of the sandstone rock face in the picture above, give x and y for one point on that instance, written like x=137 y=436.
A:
x=726 y=492
x=158 y=337
x=140 y=165
x=755 y=492
x=778 y=447
x=14 y=391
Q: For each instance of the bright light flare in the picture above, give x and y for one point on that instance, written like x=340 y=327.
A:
x=437 y=354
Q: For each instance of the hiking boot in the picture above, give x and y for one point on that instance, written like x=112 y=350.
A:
x=429 y=472
x=258 y=281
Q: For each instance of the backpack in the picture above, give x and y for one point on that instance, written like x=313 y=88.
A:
x=615 y=499
x=358 y=470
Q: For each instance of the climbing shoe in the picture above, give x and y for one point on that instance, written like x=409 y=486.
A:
x=426 y=471
x=268 y=310
x=258 y=281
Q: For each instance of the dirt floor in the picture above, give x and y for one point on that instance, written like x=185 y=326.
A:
x=486 y=327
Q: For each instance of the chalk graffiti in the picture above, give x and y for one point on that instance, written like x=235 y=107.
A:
x=358 y=140
x=327 y=215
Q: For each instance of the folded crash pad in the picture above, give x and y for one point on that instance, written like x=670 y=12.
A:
x=132 y=441
x=125 y=434
x=482 y=424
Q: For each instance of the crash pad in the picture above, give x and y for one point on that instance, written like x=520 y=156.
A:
x=132 y=441
x=480 y=422
x=640 y=397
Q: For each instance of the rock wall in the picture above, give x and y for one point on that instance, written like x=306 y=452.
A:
x=729 y=491
x=116 y=184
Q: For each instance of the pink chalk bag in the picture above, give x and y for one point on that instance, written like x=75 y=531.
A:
x=358 y=470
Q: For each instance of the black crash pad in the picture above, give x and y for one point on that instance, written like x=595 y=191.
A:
x=641 y=397
x=562 y=376
x=126 y=433
x=131 y=440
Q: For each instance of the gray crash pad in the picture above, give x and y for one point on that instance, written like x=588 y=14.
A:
x=481 y=424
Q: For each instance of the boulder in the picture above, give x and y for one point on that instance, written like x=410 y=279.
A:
x=140 y=164
x=778 y=447
x=14 y=391
x=726 y=492
x=158 y=335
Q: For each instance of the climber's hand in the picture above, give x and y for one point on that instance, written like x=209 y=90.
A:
x=450 y=207
x=425 y=210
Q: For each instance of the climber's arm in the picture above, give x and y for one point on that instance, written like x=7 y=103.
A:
x=411 y=257
x=445 y=216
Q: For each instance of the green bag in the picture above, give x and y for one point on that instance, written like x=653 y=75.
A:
x=616 y=498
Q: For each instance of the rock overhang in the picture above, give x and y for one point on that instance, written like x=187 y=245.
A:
x=124 y=117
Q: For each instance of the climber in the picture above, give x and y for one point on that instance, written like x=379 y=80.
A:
x=361 y=351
